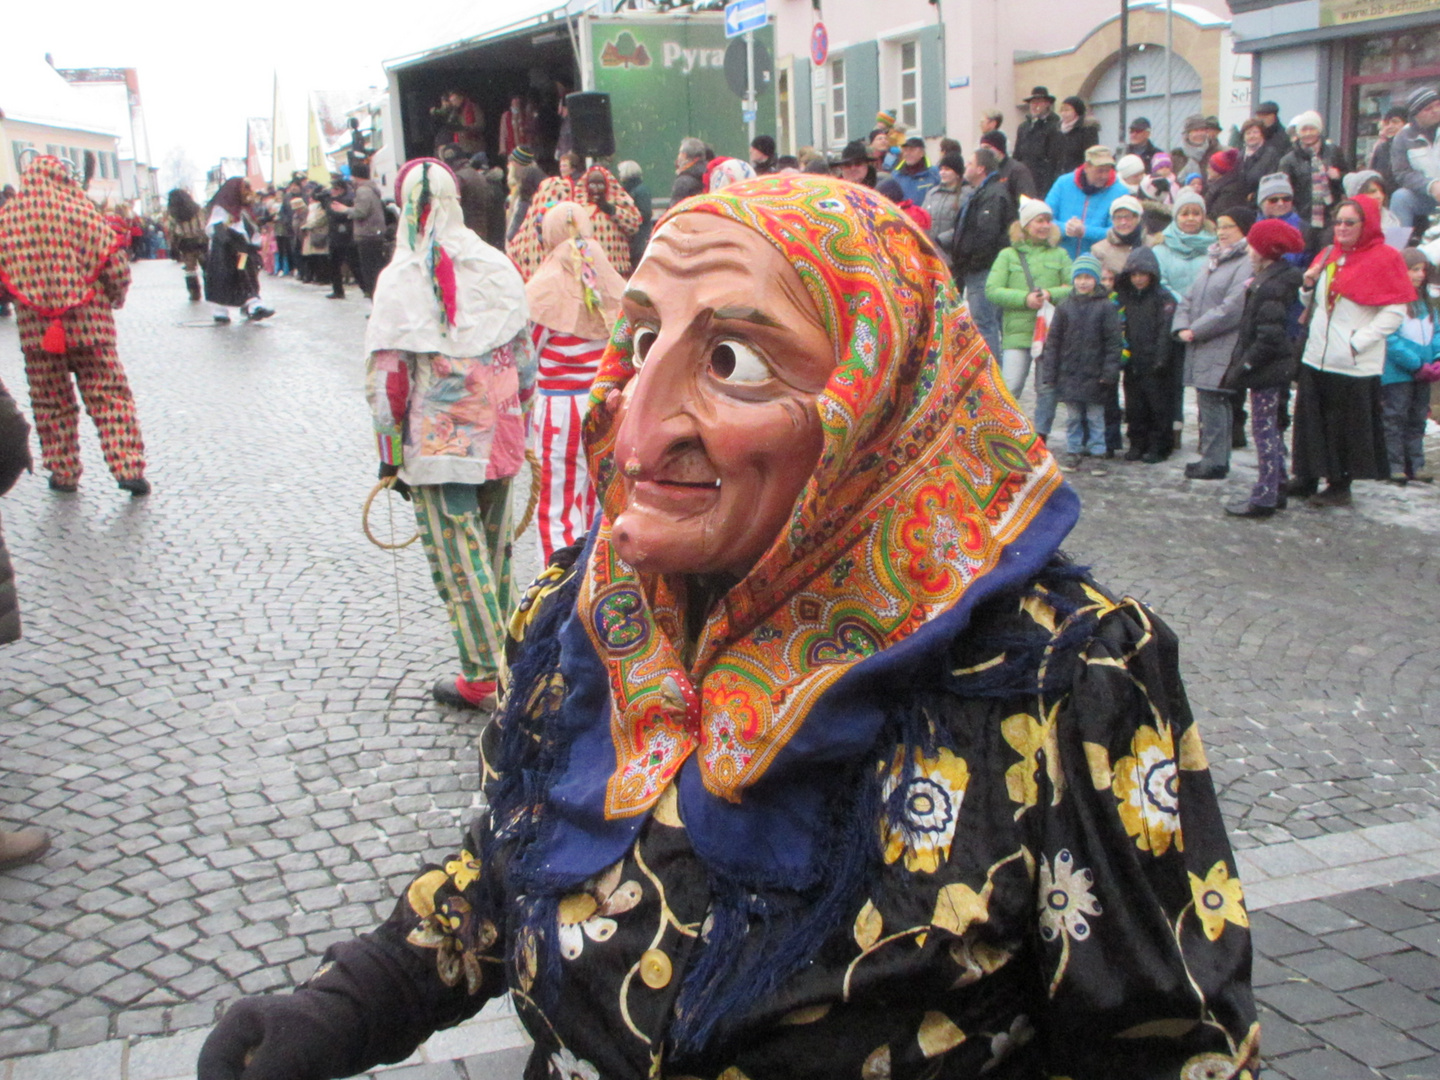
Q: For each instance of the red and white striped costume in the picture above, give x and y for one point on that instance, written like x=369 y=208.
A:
x=567 y=497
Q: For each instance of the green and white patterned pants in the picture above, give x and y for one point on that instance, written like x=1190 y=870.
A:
x=467 y=532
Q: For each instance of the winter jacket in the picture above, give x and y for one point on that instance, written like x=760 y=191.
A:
x=1299 y=163
x=14 y=459
x=316 y=230
x=476 y=197
x=917 y=182
x=1225 y=193
x=1007 y=286
x=1415 y=158
x=1350 y=339
x=1146 y=152
x=1264 y=356
x=1083 y=352
x=983 y=229
x=1016 y=176
x=1114 y=250
x=688 y=181
x=1211 y=310
x=1181 y=255
x=1068 y=198
x=368 y=213
x=1145 y=316
x=1412 y=346
x=943 y=206
x=1251 y=167
x=1278 y=139
x=640 y=196
x=1187 y=159
x=1076 y=141
x=1037 y=145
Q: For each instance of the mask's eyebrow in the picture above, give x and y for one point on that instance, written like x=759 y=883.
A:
x=747 y=314
x=638 y=298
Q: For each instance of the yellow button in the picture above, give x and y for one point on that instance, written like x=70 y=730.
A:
x=655 y=969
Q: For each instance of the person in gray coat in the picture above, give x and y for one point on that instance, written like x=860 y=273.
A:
x=1208 y=322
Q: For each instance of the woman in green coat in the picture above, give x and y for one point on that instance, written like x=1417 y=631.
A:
x=1034 y=270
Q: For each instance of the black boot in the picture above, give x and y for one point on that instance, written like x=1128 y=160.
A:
x=192 y=283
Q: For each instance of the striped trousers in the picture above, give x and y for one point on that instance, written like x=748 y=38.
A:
x=567 y=497
x=466 y=532
x=107 y=398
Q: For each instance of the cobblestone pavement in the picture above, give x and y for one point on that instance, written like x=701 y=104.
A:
x=215 y=712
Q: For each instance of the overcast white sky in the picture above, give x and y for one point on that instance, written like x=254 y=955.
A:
x=205 y=67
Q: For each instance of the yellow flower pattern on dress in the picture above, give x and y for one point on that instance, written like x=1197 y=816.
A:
x=587 y=914
x=1065 y=899
x=1034 y=740
x=463 y=870
x=1218 y=899
x=932 y=800
x=1147 y=783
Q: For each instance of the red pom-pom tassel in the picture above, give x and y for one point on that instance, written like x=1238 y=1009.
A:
x=54 y=339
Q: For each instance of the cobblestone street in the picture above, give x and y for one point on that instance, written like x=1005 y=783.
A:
x=221 y=710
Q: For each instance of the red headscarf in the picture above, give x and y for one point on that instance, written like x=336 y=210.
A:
x=1371 y=273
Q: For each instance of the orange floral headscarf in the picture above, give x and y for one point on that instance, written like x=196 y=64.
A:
x=930 y=482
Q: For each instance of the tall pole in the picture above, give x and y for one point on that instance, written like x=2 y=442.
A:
x=750 y=107
x=1124 y=67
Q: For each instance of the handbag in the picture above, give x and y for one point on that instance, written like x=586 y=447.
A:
x=1043 y=317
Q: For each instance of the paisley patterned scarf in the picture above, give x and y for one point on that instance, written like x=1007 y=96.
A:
x=931 y=493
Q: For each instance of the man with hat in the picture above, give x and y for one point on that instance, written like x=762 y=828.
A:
x=762 y=154
x=1139 y=142
x=1196 y=146
x=1396 y=117
x=855 y=165
x=1415 y=159
x=1015 y=175
x=915 y=175
x=1038 y=142
x=1081 y=201
x=1276 y=137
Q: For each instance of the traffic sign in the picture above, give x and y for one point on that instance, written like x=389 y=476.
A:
x=819 y=44
x=747 y=115
x=742 y=16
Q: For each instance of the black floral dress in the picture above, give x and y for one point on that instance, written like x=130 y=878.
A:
x=1053 y=896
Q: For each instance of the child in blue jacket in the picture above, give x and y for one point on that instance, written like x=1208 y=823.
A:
x=1410 y=365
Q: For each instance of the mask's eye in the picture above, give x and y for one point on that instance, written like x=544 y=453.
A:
x=736 y=362
x=644 y=338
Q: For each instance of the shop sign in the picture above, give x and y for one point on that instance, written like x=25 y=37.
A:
x=1345 y=12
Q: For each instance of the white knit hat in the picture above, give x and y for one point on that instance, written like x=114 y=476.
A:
x=1127 y=202
x=1030 y=209
x=1308 y=118
x=1130 y=166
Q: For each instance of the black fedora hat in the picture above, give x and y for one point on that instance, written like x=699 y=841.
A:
x=854 y=153
x=1041 y=92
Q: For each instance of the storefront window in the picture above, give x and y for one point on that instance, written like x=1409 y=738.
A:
x=1381 y=72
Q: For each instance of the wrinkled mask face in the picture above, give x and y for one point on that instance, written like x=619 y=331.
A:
x=719 y=430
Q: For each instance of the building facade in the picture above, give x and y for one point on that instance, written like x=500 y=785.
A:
x=941 y=66
x=40 y=111
x=112 y=95
x=1348 y=59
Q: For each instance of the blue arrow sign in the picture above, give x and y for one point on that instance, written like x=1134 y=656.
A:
x=743 y=16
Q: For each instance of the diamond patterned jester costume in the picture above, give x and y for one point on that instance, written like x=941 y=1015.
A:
x=63 y=266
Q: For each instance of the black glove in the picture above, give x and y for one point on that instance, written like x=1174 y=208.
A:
x=604 y=207
x=400 y=488
x=307 y=1035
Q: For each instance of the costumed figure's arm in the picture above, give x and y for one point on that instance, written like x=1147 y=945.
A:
x=114 y=281
x=1141 y=929
x=389 y=379
x=440 y=955
x=625 y=213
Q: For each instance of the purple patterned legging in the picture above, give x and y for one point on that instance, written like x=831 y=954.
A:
x=1269 y=446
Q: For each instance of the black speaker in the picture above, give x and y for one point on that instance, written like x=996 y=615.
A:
x=590 y=124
